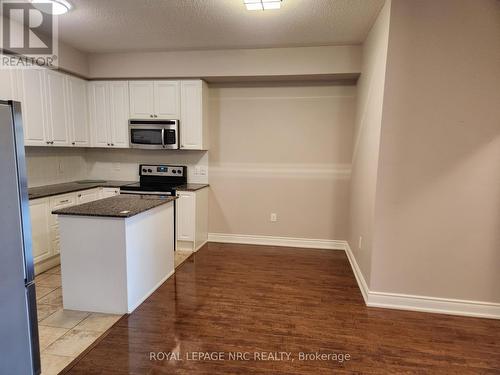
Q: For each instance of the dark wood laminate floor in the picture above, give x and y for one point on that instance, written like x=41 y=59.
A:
x=242 y=298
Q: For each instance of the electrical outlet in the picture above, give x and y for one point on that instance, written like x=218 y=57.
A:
x=60 y=167
x=274 y=217
x=360 y=242
x=203 y=171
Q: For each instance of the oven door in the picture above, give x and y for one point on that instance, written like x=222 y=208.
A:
x=149 y=137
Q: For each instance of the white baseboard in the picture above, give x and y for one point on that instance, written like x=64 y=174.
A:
x=276 y=241
x=138 y=303
x=399 y=301
x=372 y=298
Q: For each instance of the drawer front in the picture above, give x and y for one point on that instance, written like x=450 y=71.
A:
x=61 y=201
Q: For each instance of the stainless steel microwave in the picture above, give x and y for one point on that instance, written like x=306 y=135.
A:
x=154 y=134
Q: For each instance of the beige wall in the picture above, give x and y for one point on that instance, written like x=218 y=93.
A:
x=235 y=62
x=285 y=150
x=367 y=141
x=73 y=60
x=438 y=194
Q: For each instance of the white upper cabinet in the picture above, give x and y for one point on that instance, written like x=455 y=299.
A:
x=154 y=99
x=119 y=110
x=166 y=96
x=99 y=114
x=30 y=85
x=57 y=108
x=7 y=91
x=109 y=113
x=79 y=134
x=194 y=115
x=141 y=99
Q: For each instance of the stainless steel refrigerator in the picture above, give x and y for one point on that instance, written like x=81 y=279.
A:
x=19 y=347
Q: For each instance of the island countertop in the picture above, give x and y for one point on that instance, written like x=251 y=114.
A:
x=120 y=206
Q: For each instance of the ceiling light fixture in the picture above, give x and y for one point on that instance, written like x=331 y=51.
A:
x=58 y=6
x=262 y=4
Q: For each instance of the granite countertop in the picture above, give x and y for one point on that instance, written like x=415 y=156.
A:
x=69 y=187
x=120 y=206
x=192 y=187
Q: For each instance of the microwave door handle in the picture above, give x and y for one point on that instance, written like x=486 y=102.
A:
x=163 y=137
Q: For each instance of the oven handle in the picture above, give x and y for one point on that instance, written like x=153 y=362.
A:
x=163 y=137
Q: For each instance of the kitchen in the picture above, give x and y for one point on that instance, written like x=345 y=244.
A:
x=245 y=177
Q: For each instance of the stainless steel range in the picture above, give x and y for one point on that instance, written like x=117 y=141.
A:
x=157 y=180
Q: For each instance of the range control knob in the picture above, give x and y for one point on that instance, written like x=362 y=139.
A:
x=174 y=171
x=179 y=171
x=150 y=170
x=144 y=170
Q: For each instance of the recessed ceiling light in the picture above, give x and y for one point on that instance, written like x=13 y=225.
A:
x=262 y=4
x=58 y=6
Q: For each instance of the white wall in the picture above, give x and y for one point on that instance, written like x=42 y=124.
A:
x=235 y=62
x=365 y=156
x=438 y=194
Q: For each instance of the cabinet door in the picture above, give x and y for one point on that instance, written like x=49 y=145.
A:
x=57 y=109
x=109 y=192
x=78 y=112
x=141 y=99
x=99 y=114
x=56 y=203
x=185 y=208
x=87 y=196
x=166 y=96
x=119 y=113
x=6 y=85
x=191 y=125
x=31 y=87
x=39 y=211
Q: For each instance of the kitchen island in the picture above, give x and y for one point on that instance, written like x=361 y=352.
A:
x=115 y=252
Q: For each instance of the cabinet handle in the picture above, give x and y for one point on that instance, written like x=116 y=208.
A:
x=64 y=201
x=79 y=195
x=73 y=143
x=151 y=116
x=156 y=116
x=112 y=144
x=48 y=142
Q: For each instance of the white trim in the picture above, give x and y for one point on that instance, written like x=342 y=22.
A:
x=397 y=301
x=363 y=286
x=276 y=241
x=138 y=303
x=201 y=245
x=436 y=305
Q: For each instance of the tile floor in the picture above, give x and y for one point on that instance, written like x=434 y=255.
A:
x=181 y=256
x=64 y=334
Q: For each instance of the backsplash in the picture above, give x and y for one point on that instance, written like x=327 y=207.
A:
x=123 y=164
x=51 y=165
x=47 y=165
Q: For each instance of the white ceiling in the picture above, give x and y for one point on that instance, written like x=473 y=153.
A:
x=131 y=25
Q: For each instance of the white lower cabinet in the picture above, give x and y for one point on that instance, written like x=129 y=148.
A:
x=87 y=196
x=109 y=192
x=45 y=226
x=191 y=219
x=56 y=203
x=40 y=229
